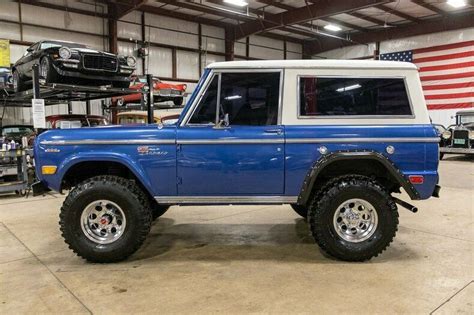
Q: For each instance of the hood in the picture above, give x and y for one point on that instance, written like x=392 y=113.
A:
x=91 y=51
x=103 y=134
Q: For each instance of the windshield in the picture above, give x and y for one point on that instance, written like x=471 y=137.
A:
x=466 y=119
x=17 y=130
x=80 y=122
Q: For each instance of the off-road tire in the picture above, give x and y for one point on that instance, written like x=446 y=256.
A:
x=125 y=193
x=323 y=206
x=158 y=210
x=300 y=210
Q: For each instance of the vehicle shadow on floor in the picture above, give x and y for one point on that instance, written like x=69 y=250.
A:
x=458 y=158
x=226 y=242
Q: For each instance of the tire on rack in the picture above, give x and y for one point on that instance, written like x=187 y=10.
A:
x=353 y=218
x=47 y=71
x=121 y=84
x=178 y=101
x=158 y=210
x=301 y=210
x=18 y=83
x=105 y=219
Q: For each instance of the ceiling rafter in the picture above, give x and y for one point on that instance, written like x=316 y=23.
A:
x=367 y=18
x=303 y=14
x=398 y=13
x=428 y=26
x=121 y=9
x=429 y=6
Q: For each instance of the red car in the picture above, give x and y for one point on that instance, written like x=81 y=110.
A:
x=74 y=121
x=163 y=92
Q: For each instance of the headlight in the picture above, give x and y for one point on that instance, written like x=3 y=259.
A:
x=446 y=135
x=131 y=61
x=64 y=53
x=471 y=135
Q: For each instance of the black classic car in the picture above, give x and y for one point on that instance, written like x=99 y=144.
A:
x=459 y=138
x=67 y=62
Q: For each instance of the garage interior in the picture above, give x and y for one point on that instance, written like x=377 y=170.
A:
x=240 y=259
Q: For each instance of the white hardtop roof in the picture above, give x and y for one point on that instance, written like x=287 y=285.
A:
x=313 y=63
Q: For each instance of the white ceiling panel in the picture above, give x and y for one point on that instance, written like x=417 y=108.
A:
x=380 y=15
x=353 y=20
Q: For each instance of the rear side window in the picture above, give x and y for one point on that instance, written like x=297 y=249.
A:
x=323 y=96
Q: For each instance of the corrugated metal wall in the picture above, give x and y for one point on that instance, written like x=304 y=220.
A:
x=173 y=53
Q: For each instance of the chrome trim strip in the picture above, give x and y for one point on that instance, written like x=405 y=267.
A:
x=95 y=142
x=232 y=141
x=226 y=199
x=68 y=60
x=355 y=140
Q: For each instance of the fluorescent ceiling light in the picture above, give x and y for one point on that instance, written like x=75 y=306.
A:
x=239 y=3
x=457 y=3
x=232 y=97
x=348 y=88
x=332 y=27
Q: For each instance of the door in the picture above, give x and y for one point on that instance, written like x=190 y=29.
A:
x=232 y=144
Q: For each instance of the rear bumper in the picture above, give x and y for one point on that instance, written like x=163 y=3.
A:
x=456 y=150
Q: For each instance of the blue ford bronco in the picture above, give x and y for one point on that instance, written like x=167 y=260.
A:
x=333 y=139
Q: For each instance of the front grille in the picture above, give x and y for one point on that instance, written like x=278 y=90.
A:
x=99 y=62
x=461 y=138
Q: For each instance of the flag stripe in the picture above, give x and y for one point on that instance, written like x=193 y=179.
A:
x=450 y=106
x=445 y=96
x=449 y=67
x=444 y=52
x=448 y=76
x=445 y=57
x=449 y=101
x=444 y=47
x=448 y=86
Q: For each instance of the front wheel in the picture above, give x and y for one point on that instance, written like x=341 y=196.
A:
x=105 y=219
x=353 y=218
x=47 y=71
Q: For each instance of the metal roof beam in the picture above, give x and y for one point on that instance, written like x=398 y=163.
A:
x=303 y=14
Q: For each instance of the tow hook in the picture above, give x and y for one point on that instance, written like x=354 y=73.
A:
x=406 y=205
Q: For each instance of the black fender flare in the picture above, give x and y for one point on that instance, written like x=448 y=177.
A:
x=326 y=160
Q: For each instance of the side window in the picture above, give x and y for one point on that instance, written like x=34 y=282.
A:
x=205 y=113
x=250 y=98
x=320 y=96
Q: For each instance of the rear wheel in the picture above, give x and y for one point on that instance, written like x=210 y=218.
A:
x=178 y=101
x=18 y=84
x=105 y=219
x=159 y=210
x=353 y=218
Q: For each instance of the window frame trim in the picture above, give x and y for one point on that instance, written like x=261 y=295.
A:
x=218 y=73
x=298 y=99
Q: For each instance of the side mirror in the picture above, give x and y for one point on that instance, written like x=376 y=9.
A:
x=29 y=49
x=223 y=123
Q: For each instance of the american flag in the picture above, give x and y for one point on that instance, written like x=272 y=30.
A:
x=446 y=73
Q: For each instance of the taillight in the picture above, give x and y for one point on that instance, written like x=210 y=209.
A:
x=416 y=179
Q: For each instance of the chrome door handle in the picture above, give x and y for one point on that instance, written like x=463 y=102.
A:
x=277 y=131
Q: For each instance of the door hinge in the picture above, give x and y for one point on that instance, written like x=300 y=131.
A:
x=179 y=180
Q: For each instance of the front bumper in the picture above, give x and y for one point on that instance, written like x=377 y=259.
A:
x=94 y=76
x=456 y=150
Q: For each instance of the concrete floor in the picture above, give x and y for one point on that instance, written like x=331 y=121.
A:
x=241 y=259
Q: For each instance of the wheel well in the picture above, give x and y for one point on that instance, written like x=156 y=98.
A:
x=366 y=167
x=84 y=170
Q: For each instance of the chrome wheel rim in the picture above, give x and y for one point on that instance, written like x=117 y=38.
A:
x=103 y=221
x=355 y=220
